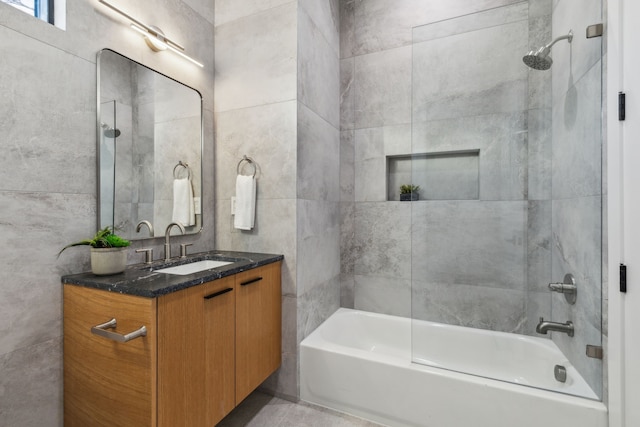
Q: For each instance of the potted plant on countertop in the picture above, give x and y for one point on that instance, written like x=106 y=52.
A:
x=108 y=252
x=409 y=192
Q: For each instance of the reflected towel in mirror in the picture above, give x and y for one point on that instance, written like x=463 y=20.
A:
x=183 y=207
x=245 y=202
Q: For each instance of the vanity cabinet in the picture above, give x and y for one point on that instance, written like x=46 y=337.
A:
x=206 y=348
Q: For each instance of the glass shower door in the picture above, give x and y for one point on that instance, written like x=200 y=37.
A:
x=508 y=161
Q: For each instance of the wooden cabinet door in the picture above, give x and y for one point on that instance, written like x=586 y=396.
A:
x=258 y=327
x=108 y=383
x=195 y=355
x=181 y=359
x=219 y=340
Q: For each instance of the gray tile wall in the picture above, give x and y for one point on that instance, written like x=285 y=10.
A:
x=277 y=101
x=396 y=102
x=256 y=112
x=318 y=177
x=48 y=175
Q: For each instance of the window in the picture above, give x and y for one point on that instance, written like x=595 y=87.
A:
x=41 y=9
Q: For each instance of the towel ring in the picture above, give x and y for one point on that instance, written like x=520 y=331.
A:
x=184 y=165
x=248 y=160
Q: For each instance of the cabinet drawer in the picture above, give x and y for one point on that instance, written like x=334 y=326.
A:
x=108 y=383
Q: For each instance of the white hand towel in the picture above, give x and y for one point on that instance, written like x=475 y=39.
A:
x=245 y=202
x=183 y=207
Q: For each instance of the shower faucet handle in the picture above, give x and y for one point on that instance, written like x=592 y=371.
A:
x=567 y=287
x=563 y=288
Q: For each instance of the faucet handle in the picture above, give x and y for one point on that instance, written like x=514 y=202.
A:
x=183 y=249
x=148 y=254
x=563 y=288
x=567 y=287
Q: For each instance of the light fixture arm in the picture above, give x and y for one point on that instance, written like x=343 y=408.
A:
x=155 y=38
x=141 y=24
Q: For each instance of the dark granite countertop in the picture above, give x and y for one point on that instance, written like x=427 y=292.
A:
x=142 y=280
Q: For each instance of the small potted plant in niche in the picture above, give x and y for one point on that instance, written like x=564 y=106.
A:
x=108 y=252
x=409 y=192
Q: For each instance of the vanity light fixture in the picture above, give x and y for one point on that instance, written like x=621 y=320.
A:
x=155 y=38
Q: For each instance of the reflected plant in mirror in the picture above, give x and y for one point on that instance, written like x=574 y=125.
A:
x=149 y=141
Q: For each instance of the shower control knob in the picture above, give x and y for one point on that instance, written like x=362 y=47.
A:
x=562 y=288
x=567 y=287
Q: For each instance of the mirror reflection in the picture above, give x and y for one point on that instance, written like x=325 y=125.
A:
x=149 y=149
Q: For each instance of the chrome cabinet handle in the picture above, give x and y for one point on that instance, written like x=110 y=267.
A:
x=101 y=331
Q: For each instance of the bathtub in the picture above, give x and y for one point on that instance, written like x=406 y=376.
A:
x=360 y=363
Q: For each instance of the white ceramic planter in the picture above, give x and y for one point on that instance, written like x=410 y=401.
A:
x=106 y=261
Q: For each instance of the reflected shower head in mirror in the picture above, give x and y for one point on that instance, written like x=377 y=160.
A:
x=110 y=132
x=539 y=59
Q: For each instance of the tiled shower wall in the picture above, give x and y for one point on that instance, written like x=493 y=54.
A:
x=469 y=256
x=457 y=84
x=48 y=174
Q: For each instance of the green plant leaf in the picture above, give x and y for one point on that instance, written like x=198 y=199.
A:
x=409 y=188
x=104 y=238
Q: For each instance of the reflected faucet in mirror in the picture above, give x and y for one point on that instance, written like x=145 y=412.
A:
x=148 y=224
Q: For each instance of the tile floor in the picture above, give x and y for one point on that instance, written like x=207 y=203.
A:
x=263 y=410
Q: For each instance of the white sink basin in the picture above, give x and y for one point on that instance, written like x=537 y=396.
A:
x=194 y=267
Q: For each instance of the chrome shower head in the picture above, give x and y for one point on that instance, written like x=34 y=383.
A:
x=539 y=59
x=110 y=132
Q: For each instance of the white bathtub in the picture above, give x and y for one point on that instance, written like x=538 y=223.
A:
x=360 y=363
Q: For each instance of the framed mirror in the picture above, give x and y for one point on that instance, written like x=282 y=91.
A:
x=149 y=142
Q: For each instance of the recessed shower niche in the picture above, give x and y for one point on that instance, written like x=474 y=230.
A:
x=452 y=175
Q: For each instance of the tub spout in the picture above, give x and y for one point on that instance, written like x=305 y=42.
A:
x=544 y=326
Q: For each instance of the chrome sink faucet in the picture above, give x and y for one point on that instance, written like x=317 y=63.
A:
x=544 y=326
x=167 y=233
